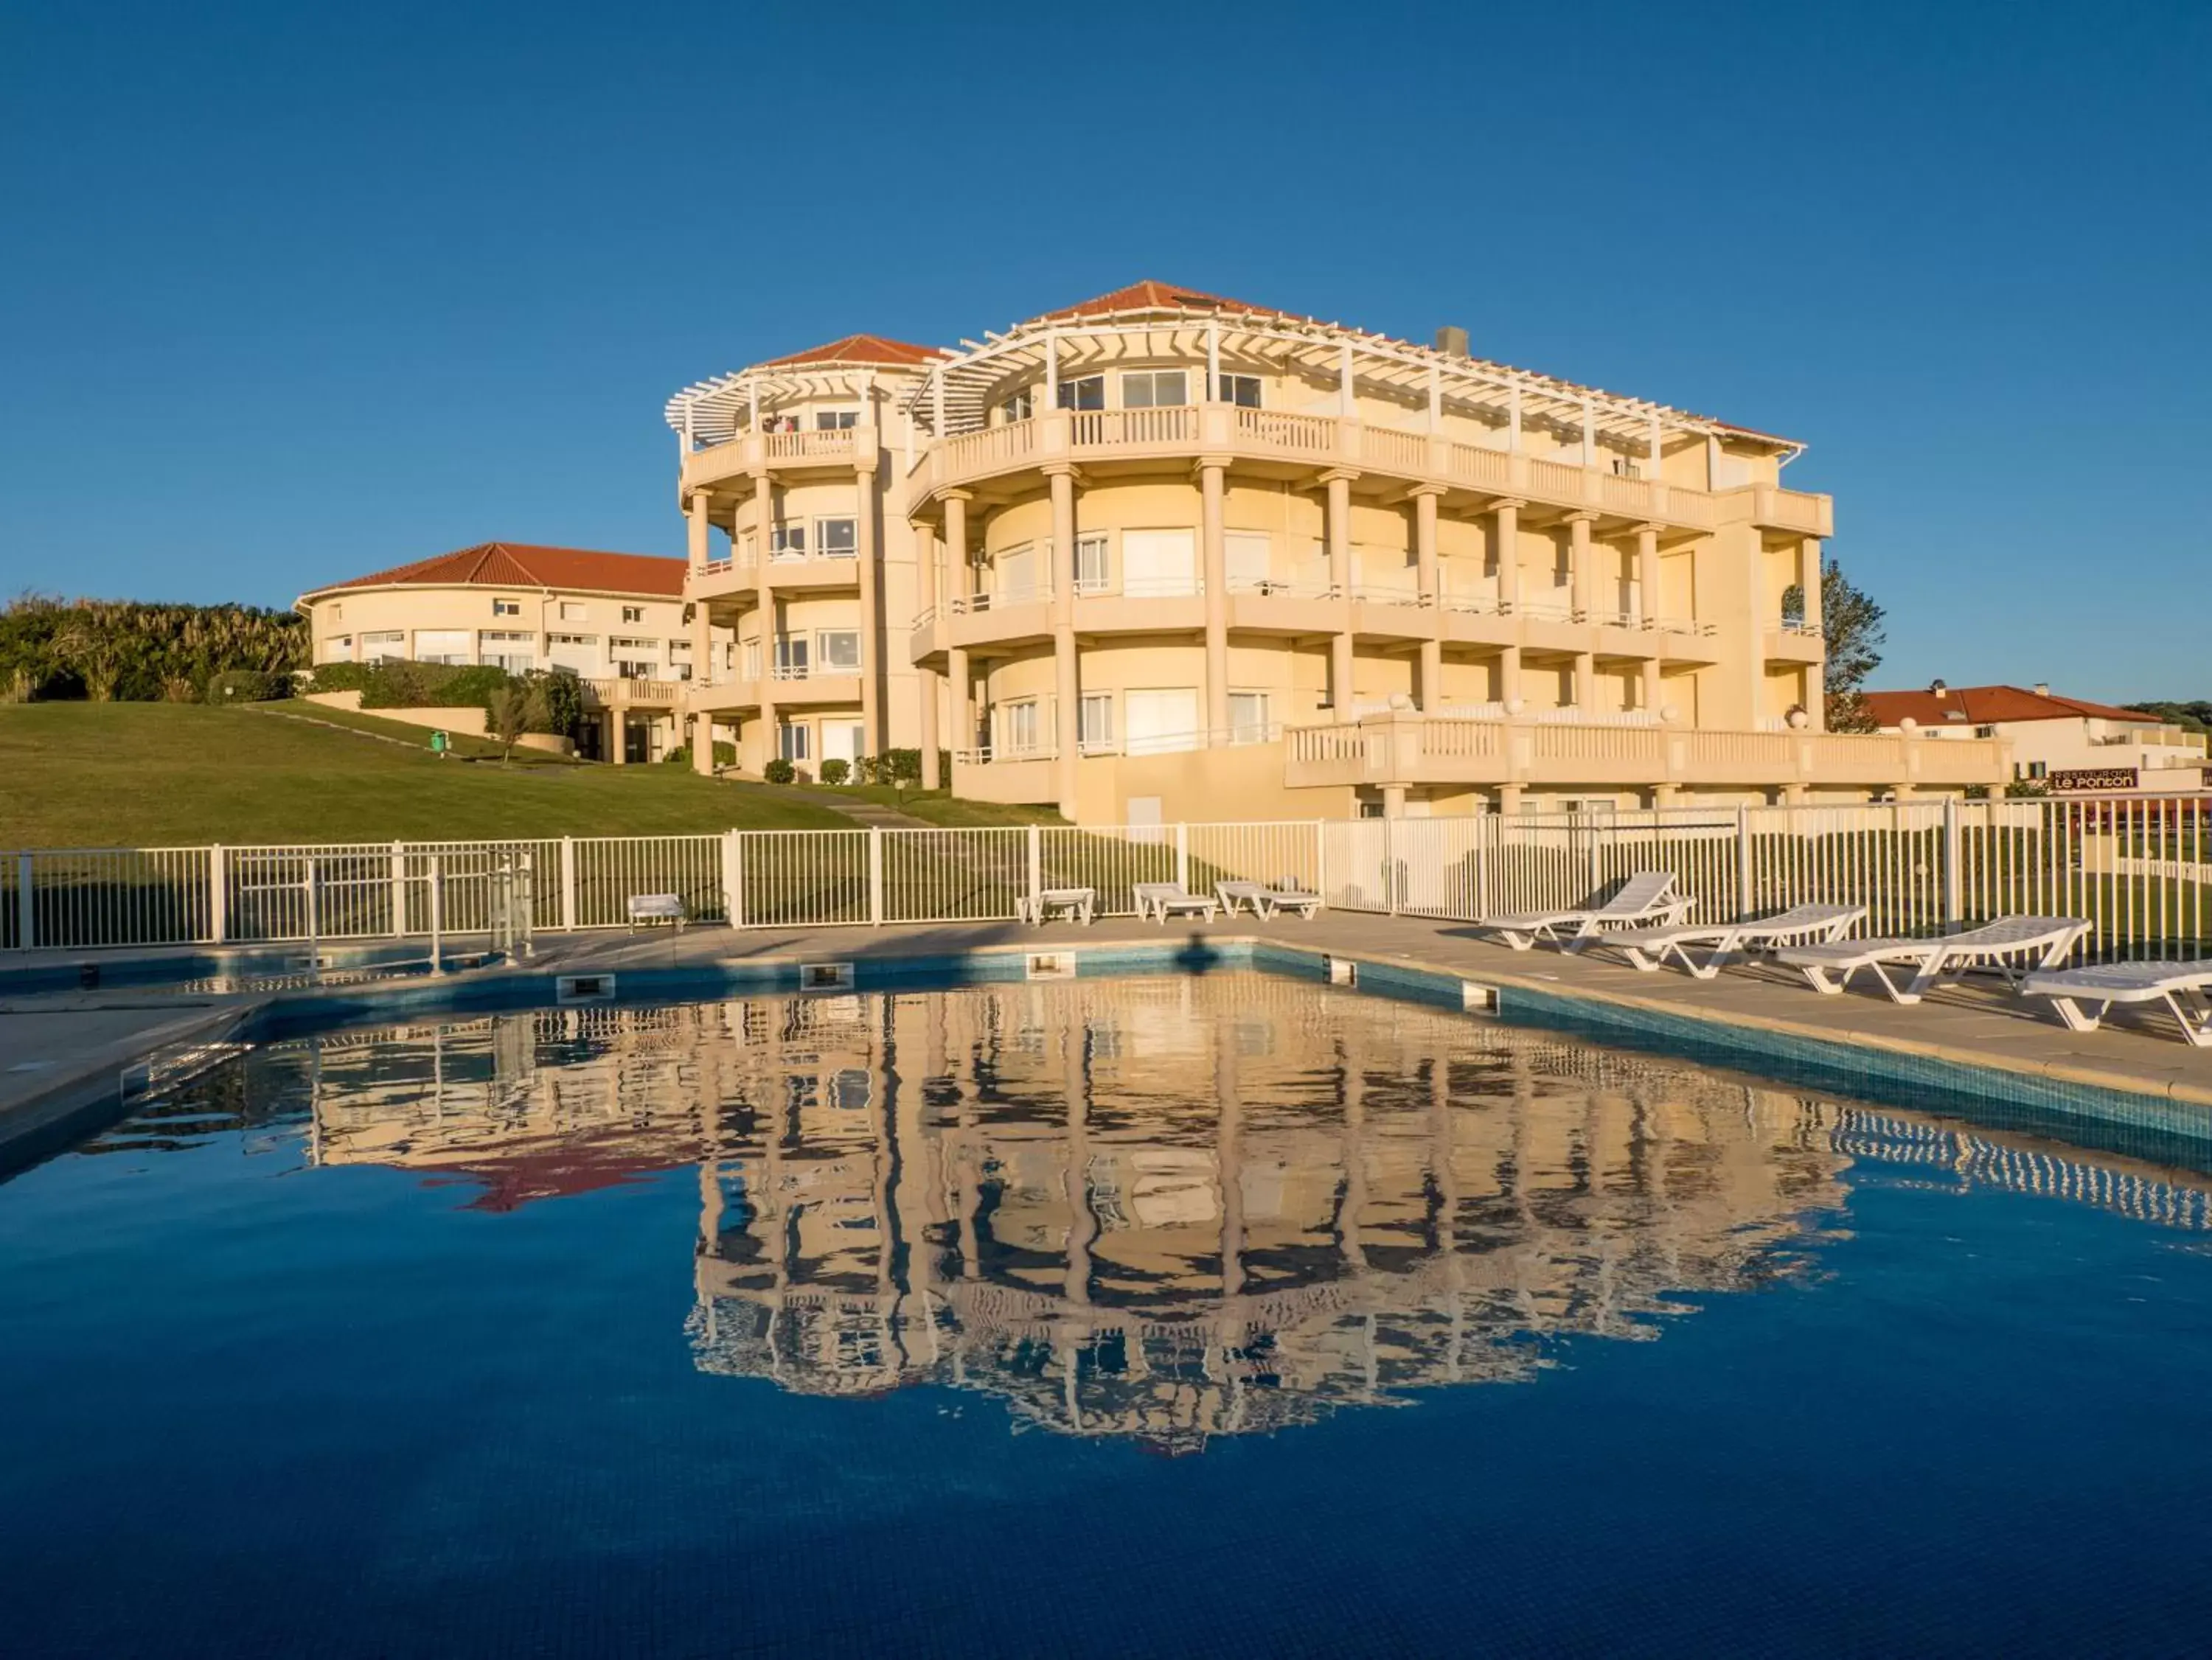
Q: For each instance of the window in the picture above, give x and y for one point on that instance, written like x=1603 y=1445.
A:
x=633 y=613
x=506 y=607
x=635 y=647
x=838 y=651
x=453 y=646
x=339 y=649
x=678 y=649
x=1242 y=389
x=1248 y=717
x=1248 y=560
x=794 y=742
x=791 y=656
x=507 y=649
x=849 y=1089
x=376 y=647
x=752 y=651
x=837 y=538
x=1088 y=393
x=1017 y=726
x=1154 y=389
x=789 y=542
x=836 y=421
x=1019 y=407
x=337 y=610
x=574 y=611
x=1094 y=723
x=634 y=668
x=1090 y=567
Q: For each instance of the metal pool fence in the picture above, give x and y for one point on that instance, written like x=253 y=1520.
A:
x=2140 y=868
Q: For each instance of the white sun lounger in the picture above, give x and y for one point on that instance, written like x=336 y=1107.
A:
x=1265 y=900
x=2180 y=985
x=2003 y=944
x=1647 y=948
x=1160 y=899
x=1645 y=897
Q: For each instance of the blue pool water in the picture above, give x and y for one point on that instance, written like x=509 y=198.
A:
x=1231 y=1315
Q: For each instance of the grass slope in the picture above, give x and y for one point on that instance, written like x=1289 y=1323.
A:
x=158 y=774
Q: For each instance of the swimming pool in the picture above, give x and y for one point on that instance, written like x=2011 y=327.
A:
x=1227 y=1313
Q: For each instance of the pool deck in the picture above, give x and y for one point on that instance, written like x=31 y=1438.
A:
x=59 y=1050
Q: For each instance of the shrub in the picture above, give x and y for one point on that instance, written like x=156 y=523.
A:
x=835 y=771
x=560 y=696
x=246 y=686
x=899 y=766
x=726 y=754
x=779 y=771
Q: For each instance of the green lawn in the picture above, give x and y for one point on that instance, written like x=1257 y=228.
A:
x=938 y=806
x=158 y=774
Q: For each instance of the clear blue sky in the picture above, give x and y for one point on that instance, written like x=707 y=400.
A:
x=293 y=292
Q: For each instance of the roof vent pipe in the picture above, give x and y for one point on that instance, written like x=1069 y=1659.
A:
x=2043 y=688
x=1451 y=340
x=1939 y=688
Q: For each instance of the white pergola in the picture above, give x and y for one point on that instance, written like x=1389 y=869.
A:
x=955 y=395
x=715 y=411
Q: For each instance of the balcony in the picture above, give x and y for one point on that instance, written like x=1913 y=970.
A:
x=1773 y=508
x=1794 y=642
x=632 y=693
x=1404 y=748
x=732 y=578
x=786 y=688
x=1288 y=445
x=838 y=450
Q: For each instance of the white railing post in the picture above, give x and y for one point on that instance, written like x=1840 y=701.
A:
x=1320 y=859
x=437 y=914
x=876 y=875
x=1744 y=885
x=1183 y=856
x=733 y=897
x=398 y=889
x=737 y=878
x=568 y=884
x=26 y=908
x=1037 y=867
x=1953 y=912
x=218 y=896
x=1390 y=858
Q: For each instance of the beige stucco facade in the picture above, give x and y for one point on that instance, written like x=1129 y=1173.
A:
x=628 y=642
x=1165 y=525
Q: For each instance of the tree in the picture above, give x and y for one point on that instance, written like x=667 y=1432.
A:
x=1851 y=624
x=508 y=717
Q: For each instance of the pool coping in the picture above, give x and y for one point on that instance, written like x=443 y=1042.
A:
x=1828 y=1055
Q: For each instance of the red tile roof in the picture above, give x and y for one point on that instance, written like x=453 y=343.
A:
x=522 y=565
x=1986 y=705
x=1151 y=296
x=861 y=348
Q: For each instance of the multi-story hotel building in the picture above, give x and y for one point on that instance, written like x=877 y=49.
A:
x=1165 y=552
x=615 y=620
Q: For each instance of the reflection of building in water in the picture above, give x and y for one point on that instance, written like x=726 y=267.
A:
x=1162 y=1209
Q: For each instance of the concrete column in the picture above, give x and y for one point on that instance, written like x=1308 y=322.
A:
x=1508 y=676
x=1068 y=688
x=765 y=601
x=1651 y=685
x=618 y=751
x=1647 y=570
x=1508 y=514
x=1425 y=560
x=957 y=570
x=871 y=620
x=1585 y=682
x=1579 y=562
x=1213 y=472
x=695 y=537
x=1338 y=480
x=925 y=554
x=930 y=742
x=1393 y=800
x=702 y=743
x=963 y=723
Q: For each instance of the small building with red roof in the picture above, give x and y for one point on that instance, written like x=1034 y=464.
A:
x=617 y=621
x=2062 y=742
